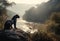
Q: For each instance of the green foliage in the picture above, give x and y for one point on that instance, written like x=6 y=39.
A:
x=4 y=3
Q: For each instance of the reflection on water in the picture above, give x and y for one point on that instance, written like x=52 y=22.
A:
x=25 y=26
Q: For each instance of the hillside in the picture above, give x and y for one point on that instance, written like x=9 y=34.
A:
x=42 y=12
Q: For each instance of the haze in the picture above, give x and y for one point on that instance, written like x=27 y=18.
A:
x=23 y=5
x=28 y=1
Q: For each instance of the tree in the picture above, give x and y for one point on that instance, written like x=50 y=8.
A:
x=3 y=11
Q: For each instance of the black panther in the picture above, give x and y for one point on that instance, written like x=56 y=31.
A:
x=8 y=24
x=14 y=19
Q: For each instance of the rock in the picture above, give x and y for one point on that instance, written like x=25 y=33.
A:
x=13 y=35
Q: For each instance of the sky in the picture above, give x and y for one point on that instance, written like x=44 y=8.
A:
x=28 y=1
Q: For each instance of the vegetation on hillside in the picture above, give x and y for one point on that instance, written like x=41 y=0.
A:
x=3 y=12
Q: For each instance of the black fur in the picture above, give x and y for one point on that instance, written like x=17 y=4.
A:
x=8 y=24
x=14 y=19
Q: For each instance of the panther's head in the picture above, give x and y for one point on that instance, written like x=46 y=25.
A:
x=17 y=16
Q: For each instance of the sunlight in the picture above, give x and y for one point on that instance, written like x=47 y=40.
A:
x=28 y=1
x=33 y=31
x=23 y=26
x=35 y=6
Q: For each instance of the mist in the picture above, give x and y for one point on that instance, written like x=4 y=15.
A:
x=42 y=12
